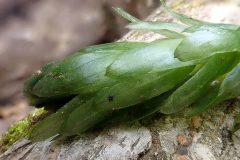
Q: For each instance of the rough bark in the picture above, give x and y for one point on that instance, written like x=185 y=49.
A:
x=206 y=137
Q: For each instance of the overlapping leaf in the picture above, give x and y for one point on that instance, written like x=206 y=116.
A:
x=126 y=81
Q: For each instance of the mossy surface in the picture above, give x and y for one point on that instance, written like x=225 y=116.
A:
x=21 y=129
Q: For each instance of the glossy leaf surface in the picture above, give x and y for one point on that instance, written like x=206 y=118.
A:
x=127 y=81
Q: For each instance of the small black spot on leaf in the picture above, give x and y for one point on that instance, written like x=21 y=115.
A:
x=110 y=98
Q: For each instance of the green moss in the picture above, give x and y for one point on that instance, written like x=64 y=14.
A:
x=21 y=129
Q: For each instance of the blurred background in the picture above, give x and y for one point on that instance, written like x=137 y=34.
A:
x=35 y=32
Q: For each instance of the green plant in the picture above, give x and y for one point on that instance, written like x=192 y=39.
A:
x=127 y=81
